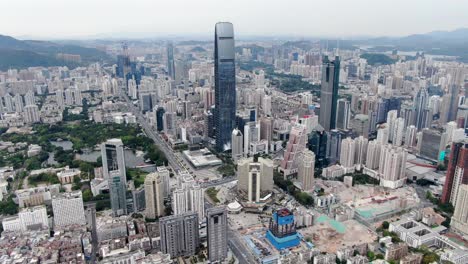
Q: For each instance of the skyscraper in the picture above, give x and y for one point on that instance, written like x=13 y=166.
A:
x=179 y=234
x=343 y=114
x=392 y=166
x=457 y=171
x=170 y=61
x=347 y=152
x=237 y=146
x=113 y=168
x=420 y=105
x=188 y=197
x=216 y=229
x=154 y=195
x=460 y=216
x=329 y=93
x=306 y=169
x=296 y=143
x=225 y=85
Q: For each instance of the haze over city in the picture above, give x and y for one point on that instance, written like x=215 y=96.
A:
x=55 y=19
x=234 y=132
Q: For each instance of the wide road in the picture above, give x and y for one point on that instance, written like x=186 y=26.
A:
x=171 y=158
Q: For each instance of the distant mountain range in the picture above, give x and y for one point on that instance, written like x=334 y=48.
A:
x=16 y=53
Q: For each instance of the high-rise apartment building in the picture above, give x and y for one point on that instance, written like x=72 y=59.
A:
x=154 y=195
x=457 y=171
x=306 y=169
x=392 y=166
x=296 y=143
x=68 y=209
x=113 y=168
x=225 y=85
x=347 y=153
x=188 y=197
x=329 y=93
x=179 y=234
x=216 y=229
x=460 y=216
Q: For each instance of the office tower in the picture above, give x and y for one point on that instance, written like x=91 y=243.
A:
x=59 y=98
x=123 y=62
x=255 y=178
x=457 y=171
x=296 y=143
x=374 y=148
x=363 y=124
x=329 y=93
x=186 y=109
x=237 y=146
x=170 y=61
x=334 y=145
x=317 y=143
x=154 y=196
x=343 y=114
x=169 y=123
x=398 y=131
x=18 y=103
x=392 y=166
x=9 y=105
x=68 y=209
x=432 y=144
x=113 y=168
x=410 y=136
x=251 y=134
x=31 y=114
x=216 y=230
x=179 y=234
x=348 y=150
x=306 y=170
x=225 y=85
x=266 y=129
x=159 y=119
x=459 y=221
x=420 y=105
x=391 y=119
x=189 y=196
x=450 y=105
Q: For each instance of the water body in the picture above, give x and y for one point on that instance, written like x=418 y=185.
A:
x=65 y=144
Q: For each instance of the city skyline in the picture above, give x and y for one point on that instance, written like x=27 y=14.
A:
x=305 y=19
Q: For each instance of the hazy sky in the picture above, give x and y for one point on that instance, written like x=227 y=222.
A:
x=339 y=18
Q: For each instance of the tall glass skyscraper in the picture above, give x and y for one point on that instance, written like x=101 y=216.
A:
x=420 y=105
x=170 y=60
x=225 y=85
x=113 y=168
x=329 y=93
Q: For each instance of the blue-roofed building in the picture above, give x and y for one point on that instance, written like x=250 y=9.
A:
x=282 y=232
